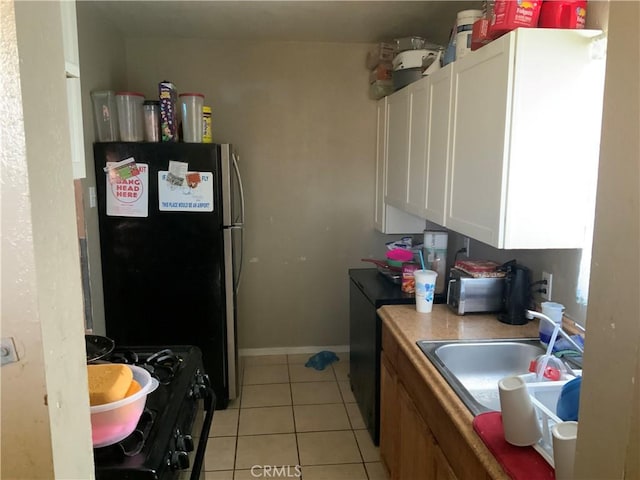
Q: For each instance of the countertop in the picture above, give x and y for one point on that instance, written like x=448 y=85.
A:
x=409 y=326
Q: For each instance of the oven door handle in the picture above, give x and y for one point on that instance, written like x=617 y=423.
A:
x=209 y=406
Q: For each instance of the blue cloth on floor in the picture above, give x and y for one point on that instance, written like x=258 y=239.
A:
x=320 y=360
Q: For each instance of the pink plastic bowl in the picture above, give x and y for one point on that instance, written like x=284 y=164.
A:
x=400 y=255
x=115 y=421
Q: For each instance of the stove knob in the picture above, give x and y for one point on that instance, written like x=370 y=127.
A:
x=203 y=379
x=179 y=460
x=185 y=443
x=197 y=391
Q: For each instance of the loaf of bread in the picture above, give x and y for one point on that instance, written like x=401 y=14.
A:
x=108 y=382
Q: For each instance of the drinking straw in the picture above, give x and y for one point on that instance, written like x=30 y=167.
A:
x=421 y=259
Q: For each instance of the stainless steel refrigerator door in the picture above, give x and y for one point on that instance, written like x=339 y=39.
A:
x=233 y=219
x=232 y=352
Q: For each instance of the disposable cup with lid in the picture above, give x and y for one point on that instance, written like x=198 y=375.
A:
x=425 y=284
x=191 y=105
x=130 y=116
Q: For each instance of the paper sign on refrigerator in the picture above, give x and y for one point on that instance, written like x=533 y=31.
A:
x=194 y=195
x=128 y=197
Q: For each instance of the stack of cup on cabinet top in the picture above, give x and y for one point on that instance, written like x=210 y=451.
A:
x=170 y=117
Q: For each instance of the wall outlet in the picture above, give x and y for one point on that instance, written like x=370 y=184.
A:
x=466 y=246
x=93 y=198
x=547 y=283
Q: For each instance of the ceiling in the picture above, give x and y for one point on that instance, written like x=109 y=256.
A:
x=358 y=21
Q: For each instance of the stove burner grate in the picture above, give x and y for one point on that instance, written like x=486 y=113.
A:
x=163 y=364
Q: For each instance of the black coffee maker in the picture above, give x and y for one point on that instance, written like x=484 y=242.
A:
x=516 y=297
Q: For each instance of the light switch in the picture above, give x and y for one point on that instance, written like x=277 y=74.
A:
x=8 y=352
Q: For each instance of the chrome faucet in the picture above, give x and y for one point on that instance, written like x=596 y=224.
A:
x=541 y=316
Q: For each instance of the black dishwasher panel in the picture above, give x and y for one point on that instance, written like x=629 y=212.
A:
x=368 y=291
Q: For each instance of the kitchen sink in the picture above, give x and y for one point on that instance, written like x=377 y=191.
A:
x=474 y=368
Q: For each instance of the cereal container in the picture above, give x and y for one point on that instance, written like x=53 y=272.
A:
x=168 y=115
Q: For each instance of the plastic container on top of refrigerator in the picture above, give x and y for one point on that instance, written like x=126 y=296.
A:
x=130 y=116
x=105 y=115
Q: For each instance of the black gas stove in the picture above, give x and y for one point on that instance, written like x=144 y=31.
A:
x=171 y=436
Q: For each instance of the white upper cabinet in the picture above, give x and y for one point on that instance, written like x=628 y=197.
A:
x=74 y=94
x=525 y=142
x=381 y=164
x=399 y=113
x=418 y=146
x=388 y=218
x=419 y=100
x=437 y=145
x=70 y=37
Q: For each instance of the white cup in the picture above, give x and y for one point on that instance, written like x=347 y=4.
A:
x=425 y=288
x=553 y=310
x=519 y=419
x=564 y=436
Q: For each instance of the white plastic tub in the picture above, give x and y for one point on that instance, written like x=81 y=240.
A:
x=115 y=421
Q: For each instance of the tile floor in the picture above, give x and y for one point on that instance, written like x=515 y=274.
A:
x=302 y=421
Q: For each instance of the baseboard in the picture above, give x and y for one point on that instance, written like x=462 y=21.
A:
x=253 y=352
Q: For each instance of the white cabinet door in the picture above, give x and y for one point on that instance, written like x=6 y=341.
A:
x=70 y=37
x=381 y=164
x=481 y=101
x=387 y=218
x=419 y=101
x=74 y=106
x=437 y=158
x=554 y=143
x=525 y=142
x=398 y=148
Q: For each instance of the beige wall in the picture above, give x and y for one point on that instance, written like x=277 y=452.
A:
x=102 y=67
x=609 y=405
x=45 y=407
x=300 y=118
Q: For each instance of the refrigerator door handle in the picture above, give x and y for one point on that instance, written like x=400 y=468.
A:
x=234 y=159
x=239 y=225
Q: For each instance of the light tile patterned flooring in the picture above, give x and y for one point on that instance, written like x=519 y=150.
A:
x=302 y=421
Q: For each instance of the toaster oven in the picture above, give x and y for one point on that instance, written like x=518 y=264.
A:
x=467 y=294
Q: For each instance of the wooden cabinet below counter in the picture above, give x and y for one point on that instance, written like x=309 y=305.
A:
x=409 y=447
x=426 y=431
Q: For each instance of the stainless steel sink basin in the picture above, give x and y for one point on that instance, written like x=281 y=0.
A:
x=474 y=368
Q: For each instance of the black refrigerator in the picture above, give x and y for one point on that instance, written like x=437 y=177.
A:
x=170 y=219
